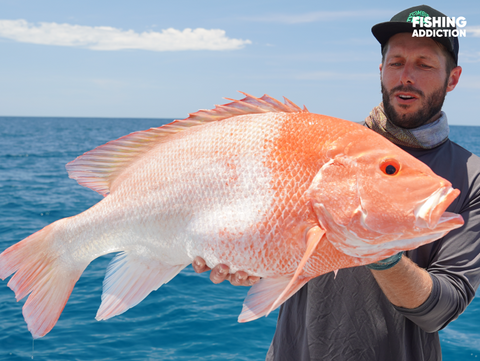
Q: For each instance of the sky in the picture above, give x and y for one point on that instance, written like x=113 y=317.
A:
x=166 y=59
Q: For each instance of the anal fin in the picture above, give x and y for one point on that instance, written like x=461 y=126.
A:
x=130 y=278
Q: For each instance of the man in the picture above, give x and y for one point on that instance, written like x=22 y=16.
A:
x=393 y=309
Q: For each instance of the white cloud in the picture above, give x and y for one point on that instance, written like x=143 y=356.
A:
x=108 y=38
x=320 y=16
x=473 y=30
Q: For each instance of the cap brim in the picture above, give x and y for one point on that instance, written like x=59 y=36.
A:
x=385 y=31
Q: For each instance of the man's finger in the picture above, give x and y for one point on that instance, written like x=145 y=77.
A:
x=199 y=265
x=252 y=280
x=219 y=273
x=239 y=279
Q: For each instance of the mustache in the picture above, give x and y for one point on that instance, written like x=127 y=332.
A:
x=406 y=89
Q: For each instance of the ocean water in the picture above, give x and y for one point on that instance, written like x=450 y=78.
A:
x=187 y=319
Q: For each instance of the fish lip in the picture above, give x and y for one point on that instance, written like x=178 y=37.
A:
x=428 y=213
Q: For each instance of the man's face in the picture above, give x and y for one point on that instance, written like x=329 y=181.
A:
x=414 y=80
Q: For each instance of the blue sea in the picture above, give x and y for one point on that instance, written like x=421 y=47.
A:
x=187 y=319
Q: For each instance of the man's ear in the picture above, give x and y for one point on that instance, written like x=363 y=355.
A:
x=453 y=78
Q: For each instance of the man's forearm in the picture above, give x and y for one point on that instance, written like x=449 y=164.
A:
x=405 y=284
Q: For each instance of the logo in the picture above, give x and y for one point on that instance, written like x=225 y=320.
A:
x=438 y=27
x=417 y=14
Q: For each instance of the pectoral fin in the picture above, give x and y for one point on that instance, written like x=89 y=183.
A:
x=313 y=237
x=265 y=293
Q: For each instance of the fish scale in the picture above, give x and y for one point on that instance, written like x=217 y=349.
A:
x=261 y=186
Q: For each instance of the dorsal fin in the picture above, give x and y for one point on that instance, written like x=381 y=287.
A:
x=98 y=168
x=247 y=105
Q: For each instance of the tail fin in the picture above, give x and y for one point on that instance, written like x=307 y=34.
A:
x=40 y=273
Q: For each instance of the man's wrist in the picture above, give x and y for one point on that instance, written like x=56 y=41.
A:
x=386 y=263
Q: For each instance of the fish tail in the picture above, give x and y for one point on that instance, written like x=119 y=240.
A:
x=40 y=273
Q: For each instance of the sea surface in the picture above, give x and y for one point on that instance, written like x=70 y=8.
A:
x=187 y=319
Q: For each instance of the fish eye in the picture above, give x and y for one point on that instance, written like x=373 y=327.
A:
x=390 y=167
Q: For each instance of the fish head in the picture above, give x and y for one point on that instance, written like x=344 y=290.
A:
x=374 y=199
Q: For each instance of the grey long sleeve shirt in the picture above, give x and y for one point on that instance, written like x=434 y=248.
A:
x=349 y=317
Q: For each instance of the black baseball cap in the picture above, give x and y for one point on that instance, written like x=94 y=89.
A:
x=402 y=23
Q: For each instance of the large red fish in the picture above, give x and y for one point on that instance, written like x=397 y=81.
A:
x=255 y=184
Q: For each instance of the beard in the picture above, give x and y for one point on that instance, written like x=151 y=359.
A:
x=431 y=106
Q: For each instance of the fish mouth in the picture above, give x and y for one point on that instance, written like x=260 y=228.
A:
x=431 y=212
x=431 y=223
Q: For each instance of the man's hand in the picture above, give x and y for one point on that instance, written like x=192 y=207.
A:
x=221 y=273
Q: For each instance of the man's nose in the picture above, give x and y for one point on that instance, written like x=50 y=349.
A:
x=407 y=76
